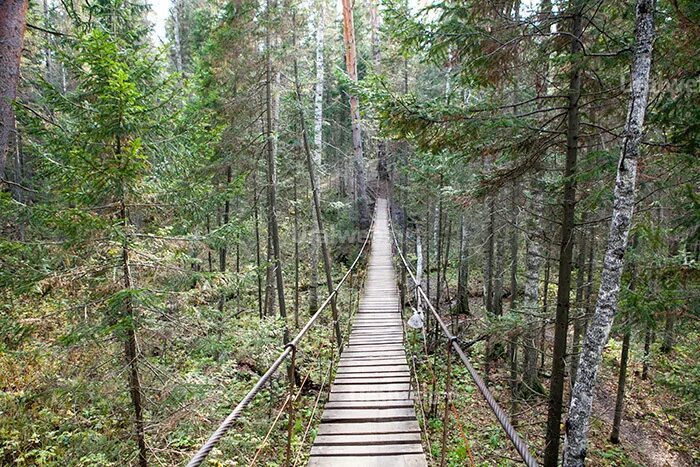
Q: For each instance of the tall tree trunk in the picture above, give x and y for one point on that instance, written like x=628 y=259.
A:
x=296 y=252
x=624 y=356
x=318 y=146
x=580 y=318
x=545 y=306
x=382 y=166
x=13 y=23
x=130 y=349
x=271 y=147
x=317 y=200
x=623 y=208
x=561 y=326
x=648 y=337
x=670 y=324
x=530 y=306
x=621 y=381
x=256 y=221
x=358 y=158
x=223 y=251
x=177 y=34
x=463 y=273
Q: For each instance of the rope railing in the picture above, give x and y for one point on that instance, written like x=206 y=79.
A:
x=503 y=419
x=289 y=350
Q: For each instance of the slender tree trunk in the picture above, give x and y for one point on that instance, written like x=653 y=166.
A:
x=545 y=306
x=514 y=244
x=624 y=356
x=488 y=255
x=256 y=221
x=223 y=251
x=210 y=259
x=271 y=147
x=318 y=147
x=463 y=274
x=296 y=253
x=317 y=201
x=647 y=352
x=530 y=306
x=382 y=165
x=561 y=326
x=621 y=381
x=13 y=23
x=130 y=349
x=177 y=34
x=358 y=158
x=623 y=208
x=669 y=338
x=580 y=318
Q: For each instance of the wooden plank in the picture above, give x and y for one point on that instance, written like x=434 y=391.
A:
x=357 y=428
x=370 y=404
x=370 y=419
x=381 y=450
x=376 y=414
x=407 y=460
x=363 y=440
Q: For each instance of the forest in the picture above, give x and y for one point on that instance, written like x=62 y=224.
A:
x=203 y=201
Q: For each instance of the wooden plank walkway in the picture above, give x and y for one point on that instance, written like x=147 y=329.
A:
x=369 y=420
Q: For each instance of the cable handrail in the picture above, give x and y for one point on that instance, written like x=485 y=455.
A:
x=517 y=441
x=290 y=347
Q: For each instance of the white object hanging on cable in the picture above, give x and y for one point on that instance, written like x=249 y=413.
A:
x=416 y=320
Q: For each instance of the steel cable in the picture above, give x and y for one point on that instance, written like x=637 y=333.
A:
x=503 y=419
x=228 y=422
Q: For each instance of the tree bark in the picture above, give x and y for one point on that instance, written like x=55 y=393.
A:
x=623 y=208
x=256 y=217
x=223 y=251
x=530 y=305
x=580 y=318
x=318 y=146
x=561 y=326
x=463 y=274
x=317 y=203
x=271 y=147
x=130 y=349
x=13 y=24
x=358 y=157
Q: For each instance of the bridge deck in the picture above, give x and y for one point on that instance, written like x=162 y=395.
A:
x=369 y=419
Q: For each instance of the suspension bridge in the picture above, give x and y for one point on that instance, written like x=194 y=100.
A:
x=370 y=417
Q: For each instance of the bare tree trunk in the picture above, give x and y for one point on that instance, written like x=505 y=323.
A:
x=670 y=324
x=13 y=15
x=624 y=356
x=382 y=166
x=177 y=11
x=318 y=146
x=488 y=256
x=317 y=200
x=256 y=217
x=648 y=337
x=561 y=326
x=223 y=251
x=130 y=350
x=463 y=274
x=358 y=158
x=271 y=147
x=545 y=306
x=296 y=252
x=580 y=318
x=530 y=306
x=623 y=209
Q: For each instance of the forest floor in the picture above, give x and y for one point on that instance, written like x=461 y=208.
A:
x=660 y=425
